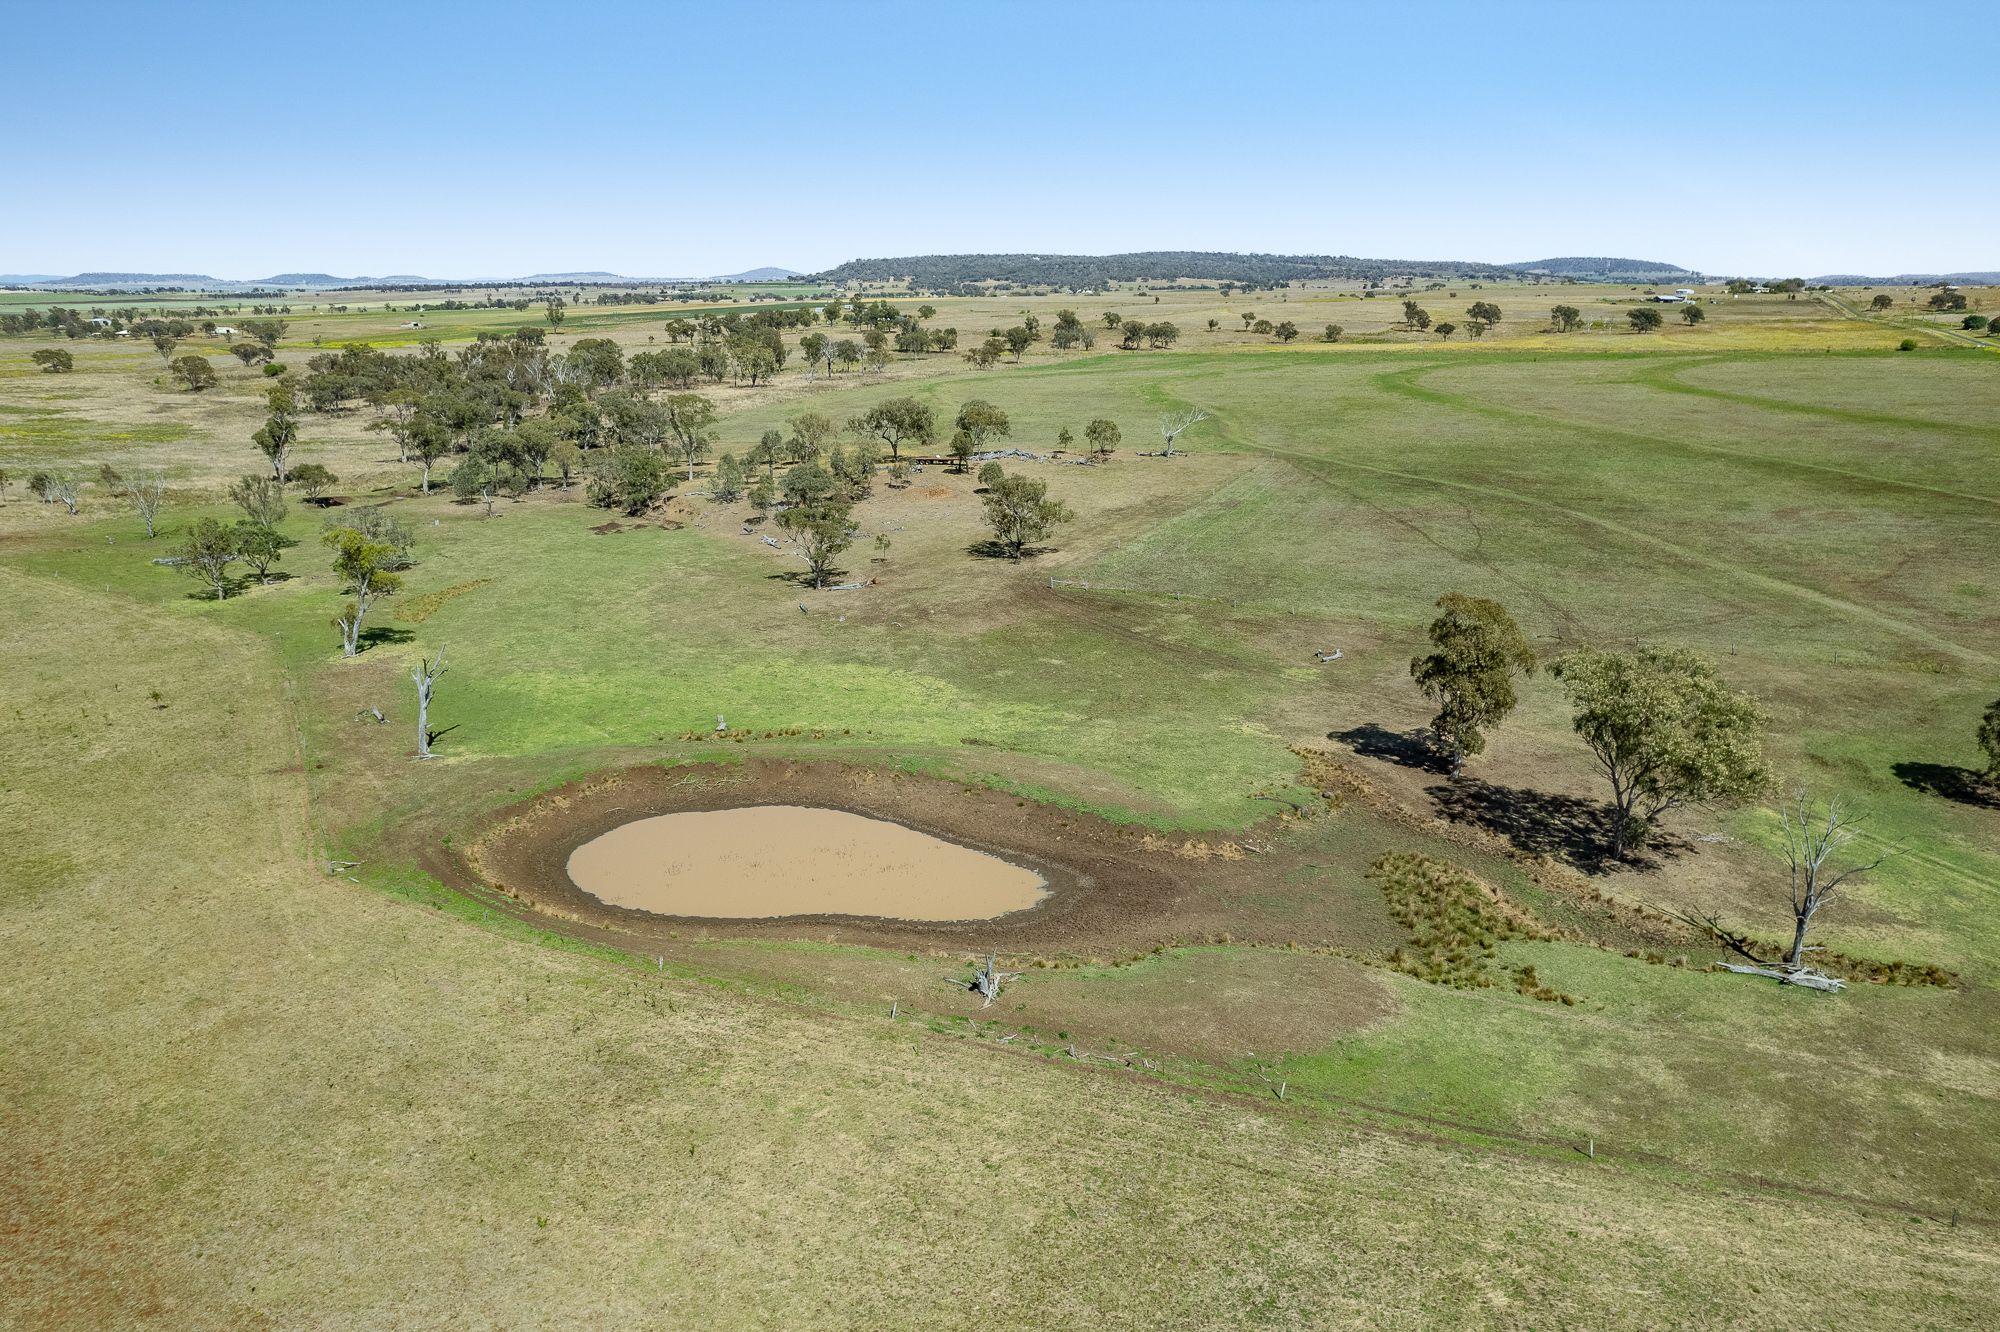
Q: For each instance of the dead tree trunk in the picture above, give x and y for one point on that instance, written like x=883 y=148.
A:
x=425 y=675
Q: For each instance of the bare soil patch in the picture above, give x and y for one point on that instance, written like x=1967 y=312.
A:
x=768 y=861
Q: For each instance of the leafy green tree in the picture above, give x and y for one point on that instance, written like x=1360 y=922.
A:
x=313 y=479
x=960 y=448
x=1644 y=318
x=250 y=353
x=266 y=331
x=1445 y=330
x=1065 y=440
x=366 y=569
x=1112 y=319
x=991 y=473
x=630 y=477
x=726 y=486
x=596 y=362
x=1263 y=328
x=260 y=547
x=261 y=498
x=822 y=531
x=1566 y=318
x=1989 y=740
x=689 y=417
x=554 y=312
x=1882 y=301
x=429 y=440
x=1666 y=731
x=1476 y=650
x=1485 y=312
x=986 y=355
x=1692 y=314
x=476 y=479
x=280 y=431
x=56 y=361
x=1018 y=339
x=193 y=372
x=1103 y=436
x=768 y=452
x=896 y=422
x=1972 y=323
x=982 y=422
x=567 y=457
x=1947 y=301
x=207 y=552
x=808 y=484
x=164 y=344
x=763 y=495
x=1020 y=512
x=1249 y=317
x=1333 y=333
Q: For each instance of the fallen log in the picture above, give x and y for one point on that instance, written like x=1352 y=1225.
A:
x=1812 y=980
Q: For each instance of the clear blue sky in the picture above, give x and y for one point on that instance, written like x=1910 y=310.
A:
x=664 y=139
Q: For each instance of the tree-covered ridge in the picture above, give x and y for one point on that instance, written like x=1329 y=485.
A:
x=944 y=271
x=1601 y=268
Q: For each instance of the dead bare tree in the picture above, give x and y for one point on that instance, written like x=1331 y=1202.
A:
x=146 y=491
x=1174 y=424
x=425 y=674
x=1812 y=838
x=986 y=980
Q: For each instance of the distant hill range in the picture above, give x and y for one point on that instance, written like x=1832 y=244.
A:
x=1981 y=278
x=327 y=281
x=945 y=271
x=1600 y=269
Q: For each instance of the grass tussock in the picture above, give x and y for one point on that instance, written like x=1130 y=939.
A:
x=1456 y=925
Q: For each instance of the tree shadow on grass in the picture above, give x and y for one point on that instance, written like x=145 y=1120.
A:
x=1565 y=827
x=990 y=549
x=382 y=635
x=1952 y=783
x=1407 y=748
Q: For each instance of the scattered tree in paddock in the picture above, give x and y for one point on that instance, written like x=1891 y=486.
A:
x=1644 y=318
x=259 y=546
x=554 y=313
x=822 y=531
x=145 y=492
x=1813 y=837
x=1476 y=651
x=280 y=431
x=1483 y=312
x=56 y=361
x=1065 y=440
x=261 y=498
x=476 y=479
x=207 y=552
x=1112 y=319
x=1285 y=331
x=1214 y=324
x=1175 y=424
x=763 y=496
x=250 y=353
x=164 y=344
x=1989 y=741
x=1103 y=436
x=1415 y=317
x=1249 y=317
x=1445 y=330
x=1972 y=323
x=1692 y=314
x=425 y=676
x=1566 y=318
x=1263 y=327
x=689 y=418
x=194 y=373
x=991 y=473
x=986 y=355
x=981 y=422
x=1020 y=512
x=266 y=331
x=1944 y=301
x=429 y=439
x=1666 y=731
x=961 y=449
x=365 y=568
x=767 y=452
x=630 y=477
x=896 y=422
x=808 y=484
x=567 y=457
x=726 y=486
x=596 y=363
x=1882 y=301
x=57 y=487
x=1333 y=333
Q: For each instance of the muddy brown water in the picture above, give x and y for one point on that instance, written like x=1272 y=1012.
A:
x=767 y=861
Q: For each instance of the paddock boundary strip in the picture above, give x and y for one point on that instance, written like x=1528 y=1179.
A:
x=1233 y=603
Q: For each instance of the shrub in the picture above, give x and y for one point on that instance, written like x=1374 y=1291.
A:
x=1907 y=344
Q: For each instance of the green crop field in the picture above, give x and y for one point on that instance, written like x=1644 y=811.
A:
x=247 y=989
